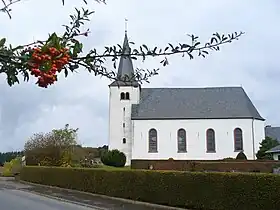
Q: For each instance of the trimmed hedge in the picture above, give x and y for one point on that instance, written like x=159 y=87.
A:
x=204 y=191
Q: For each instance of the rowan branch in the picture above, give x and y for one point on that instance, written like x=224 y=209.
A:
x=44 y=59
x=6 y=7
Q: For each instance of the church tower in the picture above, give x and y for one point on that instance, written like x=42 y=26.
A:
x=122 y=96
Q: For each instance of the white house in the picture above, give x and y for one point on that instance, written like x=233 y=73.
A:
x=181 y=123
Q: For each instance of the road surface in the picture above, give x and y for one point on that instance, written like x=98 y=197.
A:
x=14 y=197
x=11 y=199
x=18 y=196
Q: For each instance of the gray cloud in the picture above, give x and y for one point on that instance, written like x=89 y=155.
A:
x=82 y=99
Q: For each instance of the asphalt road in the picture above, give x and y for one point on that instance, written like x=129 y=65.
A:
x=11 y=199
x=14 y=197
x=18 y=196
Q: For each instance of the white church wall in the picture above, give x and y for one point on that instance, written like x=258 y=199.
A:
x=120 y=125
x=196 y=138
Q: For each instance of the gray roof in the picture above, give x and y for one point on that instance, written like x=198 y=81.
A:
x=194 y=103
x=274 y=149
x=125 y=69
x=273 y=132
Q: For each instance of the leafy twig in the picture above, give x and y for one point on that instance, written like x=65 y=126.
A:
x=6 y=6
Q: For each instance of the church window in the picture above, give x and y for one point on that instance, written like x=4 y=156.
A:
x=127 y=96
x=152 y=140
x=182 y=141
x=124 y=140
x=122 y=96
x=238 y=140
x=210 y=140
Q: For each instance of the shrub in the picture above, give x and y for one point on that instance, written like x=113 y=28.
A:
x=13 y=167
x=191 y=190
x=241 y=156
x=228 y=159
x=113 y=158
x=7 y=169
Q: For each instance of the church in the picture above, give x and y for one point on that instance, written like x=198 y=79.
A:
x=180 y=123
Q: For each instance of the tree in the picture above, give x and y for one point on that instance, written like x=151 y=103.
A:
x=266 y=144
x=114 y=158
x=54 y=148
x=45 y=59
x=8 y=156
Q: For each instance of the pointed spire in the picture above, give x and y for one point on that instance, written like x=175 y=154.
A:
x=125 y=68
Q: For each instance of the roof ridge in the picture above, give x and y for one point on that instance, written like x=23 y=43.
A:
x=214 y=87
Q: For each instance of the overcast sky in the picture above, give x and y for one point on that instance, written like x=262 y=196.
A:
x=82 y=99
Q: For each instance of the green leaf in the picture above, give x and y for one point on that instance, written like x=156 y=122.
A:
x=214 y=39
x=2 y=42
x=145 y=46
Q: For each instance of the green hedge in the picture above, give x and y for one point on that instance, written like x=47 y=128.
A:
x=207 y=191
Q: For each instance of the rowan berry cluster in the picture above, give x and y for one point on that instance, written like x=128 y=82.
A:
x=45 y=64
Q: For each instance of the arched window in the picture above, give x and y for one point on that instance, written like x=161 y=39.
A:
x=182 y=140
x=124 y=140
x=122 y=96
x=153 y=140
x=127 y=96
x=238 y=140
x=210 y=140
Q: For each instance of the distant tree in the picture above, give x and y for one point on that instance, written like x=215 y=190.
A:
x=8 y=156
x=55 y=148
x=102 y=149
x=266 y=144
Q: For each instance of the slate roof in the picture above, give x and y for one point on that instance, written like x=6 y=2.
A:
x=125 y=68
x=274 y=149
x=273 y=132
x=194 y=103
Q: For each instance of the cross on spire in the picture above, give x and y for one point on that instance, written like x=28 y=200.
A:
x=125 y=24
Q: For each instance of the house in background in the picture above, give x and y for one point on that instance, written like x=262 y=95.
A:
x=273 y=132
x=206 y=123
x=275 y=151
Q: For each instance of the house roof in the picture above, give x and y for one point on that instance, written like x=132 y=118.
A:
x=273 y=132
x=194 y=103
x=274 y=149
x=125 y=69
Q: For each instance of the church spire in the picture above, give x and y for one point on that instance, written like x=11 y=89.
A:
x=125 y=65
x=125 y=69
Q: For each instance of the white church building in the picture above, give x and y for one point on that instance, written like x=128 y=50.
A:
x=181 y=123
